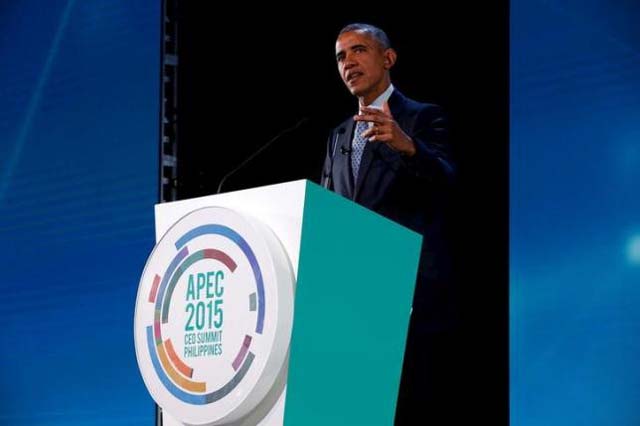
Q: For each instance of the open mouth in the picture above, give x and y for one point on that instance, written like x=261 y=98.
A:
x=353 y=76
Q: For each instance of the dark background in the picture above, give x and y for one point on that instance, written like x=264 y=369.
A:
x=247 y=74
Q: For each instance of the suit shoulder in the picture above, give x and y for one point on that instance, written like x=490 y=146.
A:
x=412 y=108
x=423 y=107
x=428 y=117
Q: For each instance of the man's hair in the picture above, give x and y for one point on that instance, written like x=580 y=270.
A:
x=375 y=32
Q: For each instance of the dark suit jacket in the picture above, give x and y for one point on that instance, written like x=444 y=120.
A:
x=412 y=191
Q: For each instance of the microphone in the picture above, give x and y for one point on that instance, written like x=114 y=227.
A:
x=259 y=151
x=343 y=150
x=340 y=132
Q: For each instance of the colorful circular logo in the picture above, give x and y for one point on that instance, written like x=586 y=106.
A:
x=213 y=316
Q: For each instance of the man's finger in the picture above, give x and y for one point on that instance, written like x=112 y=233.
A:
x=367 y=134
x=372 y=111
x=370 y=118
x=381 y=138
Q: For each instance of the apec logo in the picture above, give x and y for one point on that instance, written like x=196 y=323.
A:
x=213 y=316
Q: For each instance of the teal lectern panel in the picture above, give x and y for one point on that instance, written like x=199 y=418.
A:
x=355 y=285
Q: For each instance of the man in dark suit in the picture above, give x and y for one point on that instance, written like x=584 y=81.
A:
x=393 y=158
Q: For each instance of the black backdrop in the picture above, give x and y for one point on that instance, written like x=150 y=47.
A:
x=248 y=72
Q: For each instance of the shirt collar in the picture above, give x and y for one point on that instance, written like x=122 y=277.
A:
x=384 y=97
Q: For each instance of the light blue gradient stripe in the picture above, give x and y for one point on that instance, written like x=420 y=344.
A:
x=225 y=231
x=34 y=102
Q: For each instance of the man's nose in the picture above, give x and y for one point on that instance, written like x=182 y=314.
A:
x=349 y=63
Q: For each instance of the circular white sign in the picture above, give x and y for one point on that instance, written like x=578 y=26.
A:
x=213 y=316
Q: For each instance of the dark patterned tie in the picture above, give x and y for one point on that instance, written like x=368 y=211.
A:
x=358 y=148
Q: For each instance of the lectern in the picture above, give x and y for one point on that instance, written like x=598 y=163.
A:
x=284 y=304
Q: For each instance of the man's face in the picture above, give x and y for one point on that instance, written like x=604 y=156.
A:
x=362 y=63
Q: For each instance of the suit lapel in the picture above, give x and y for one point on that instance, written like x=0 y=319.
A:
x=342 y=164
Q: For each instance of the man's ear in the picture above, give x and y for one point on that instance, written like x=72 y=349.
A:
x=390 y=57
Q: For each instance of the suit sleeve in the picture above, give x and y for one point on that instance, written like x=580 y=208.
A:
x=432 y=160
